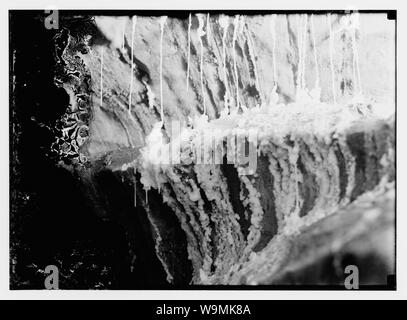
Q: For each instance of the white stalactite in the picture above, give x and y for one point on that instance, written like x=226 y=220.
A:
x=274 y=95
x=133 y=27
x=208 y=30
x=356 y=59
x=235 y=33
x=254 y=62
x=201 y=34
x=124 y=34
x=162 y=24
x=304 y=51
x=316 y=92
x=331 y=52
x=224 y=23
x=189 y=49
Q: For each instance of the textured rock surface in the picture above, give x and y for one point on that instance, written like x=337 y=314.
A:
x=362 y=234
x=301 y=177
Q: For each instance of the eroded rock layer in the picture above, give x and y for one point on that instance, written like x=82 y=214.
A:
x=230 y=212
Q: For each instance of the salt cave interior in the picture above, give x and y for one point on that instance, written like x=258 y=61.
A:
x=111 y=179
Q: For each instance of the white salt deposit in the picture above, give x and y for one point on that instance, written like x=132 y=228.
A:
x=189 y=49
x=201 y=34
x=162 y=24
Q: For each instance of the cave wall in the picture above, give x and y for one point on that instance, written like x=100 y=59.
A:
x=254 y=54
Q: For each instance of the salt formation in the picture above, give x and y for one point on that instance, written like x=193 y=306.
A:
x=123 y=35
x=316 y=92
x=224 y=23
x=162 y=24
x=354 y=26
x=133 y=27
x=208 y=30
x=312 y=157
x=201 y=34
x=303 y=93
x=331 y=61
x=301 y=44
x=236 y=31
x=306 y=156
x=349 y=24
x=274 y=95
x=253 y=61
x=304 y=172
x=189 y=49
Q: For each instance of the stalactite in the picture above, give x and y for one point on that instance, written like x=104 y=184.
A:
x=133 y=27
x=224 y=23
x=356 y=55
x=299 y=46
x=306 y=180
x=208 y=30
x=331 y=53
x=254 y=62
x=316 y=93
x=302 y=30
x=304 y=51
x=235 y=33
x=274 y=95
x=201 y=34
x=162 y=25
x=123 y=34
x=189 y=49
